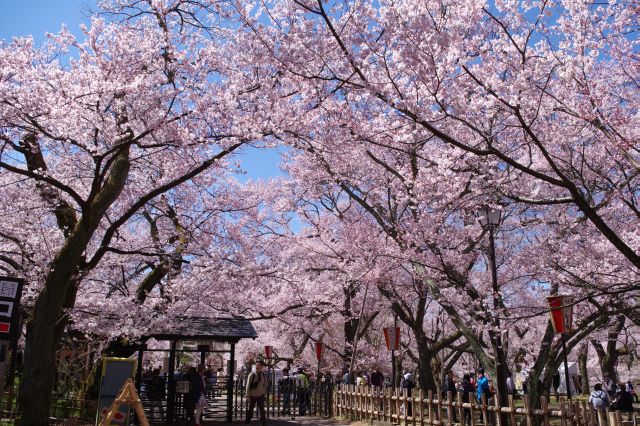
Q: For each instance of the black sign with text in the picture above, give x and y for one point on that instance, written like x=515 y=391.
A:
x=10 y=294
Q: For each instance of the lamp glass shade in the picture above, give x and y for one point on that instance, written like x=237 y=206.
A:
x=494 y=217
x=489 y=217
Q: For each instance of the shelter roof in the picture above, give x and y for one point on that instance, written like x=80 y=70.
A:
x=189 y=327
x=176 y=328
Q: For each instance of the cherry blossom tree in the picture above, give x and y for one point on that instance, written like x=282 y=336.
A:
x=94 y=131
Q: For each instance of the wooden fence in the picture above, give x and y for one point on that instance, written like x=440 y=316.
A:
x=287 y=398
x=366 y=403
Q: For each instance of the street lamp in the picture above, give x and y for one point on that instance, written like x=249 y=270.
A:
x=489 y=219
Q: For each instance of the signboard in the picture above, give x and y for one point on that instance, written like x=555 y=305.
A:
x=392 y=338
x=115 y=372
x=10 y=294
x=561 y=311
x=182 y=387
x=268 y=351
x=318 y=350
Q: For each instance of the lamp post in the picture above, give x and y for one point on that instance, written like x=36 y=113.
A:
x=561 y=311
x=268 y=352
x=489 y=219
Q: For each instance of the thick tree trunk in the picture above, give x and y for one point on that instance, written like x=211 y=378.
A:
x=582 y=366
x=48 y=319
x=350 y=324
x=426 y=379
x=608 y=357
x=44 y=333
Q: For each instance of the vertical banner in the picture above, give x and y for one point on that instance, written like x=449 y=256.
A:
x=318 y=350
x=392 y=338
x=561 y=312
x=268 y=352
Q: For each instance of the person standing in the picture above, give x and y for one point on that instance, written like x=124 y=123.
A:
x=449 y=387
x=256 y=391
x=409 y=385
x=599 y=399
x=377 y=378
x=624 y=401
x=361 y=379
x=482 y=386
x=511 y=384
x=632 y=390
x=197 y=390
x=466 y=388
x=286 y=387
x=346 y=378
x=156 y=394
x=611 y=387
x=304 y=384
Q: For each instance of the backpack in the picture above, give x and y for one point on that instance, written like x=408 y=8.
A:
x=304 y=379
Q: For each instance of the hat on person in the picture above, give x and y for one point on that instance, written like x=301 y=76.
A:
x=408 y=376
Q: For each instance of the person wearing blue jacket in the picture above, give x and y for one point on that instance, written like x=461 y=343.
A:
x=482 y=385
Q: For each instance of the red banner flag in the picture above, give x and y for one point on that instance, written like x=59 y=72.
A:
x=268 y=351
x=561 y=312
x=392 y=338
x=318 y=350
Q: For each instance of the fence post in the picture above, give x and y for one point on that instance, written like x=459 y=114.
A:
x=545 y=410
x=472 y=400
x=397 y=403
x=527 y=408
x=421 y=406
x=483 y=407
x=563 y=413
x=449 y=413
x=498 y=410
x=587 y=412
x=406 y=406
x=388 y=406
x=512 y=411
x=460 y=410
x=430 y=402
x=439 y=406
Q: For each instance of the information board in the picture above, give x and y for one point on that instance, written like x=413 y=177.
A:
x=10 y=294
x=115 y=372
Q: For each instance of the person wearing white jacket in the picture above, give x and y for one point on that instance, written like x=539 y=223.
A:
x=599 y=399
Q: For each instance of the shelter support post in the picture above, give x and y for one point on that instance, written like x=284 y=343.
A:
x=141 y=349
x=171 y=391
x=230 y=373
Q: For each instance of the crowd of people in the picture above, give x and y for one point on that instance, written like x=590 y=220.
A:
x=612 y=395
x=202 y=381
x=295 y=388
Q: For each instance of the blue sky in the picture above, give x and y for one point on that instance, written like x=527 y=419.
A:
x=37 y=17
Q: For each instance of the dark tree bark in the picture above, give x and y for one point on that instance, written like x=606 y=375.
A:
x=582 y=365
x=48 y=320
x=608 y=357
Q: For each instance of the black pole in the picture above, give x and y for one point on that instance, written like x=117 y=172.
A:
x=501 y=376
x=171 y=384
x=141 y=349
x=566 y=365
x=231 y=372
x=393 y=354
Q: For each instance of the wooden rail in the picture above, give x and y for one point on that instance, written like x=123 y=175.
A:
x=366 y=403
